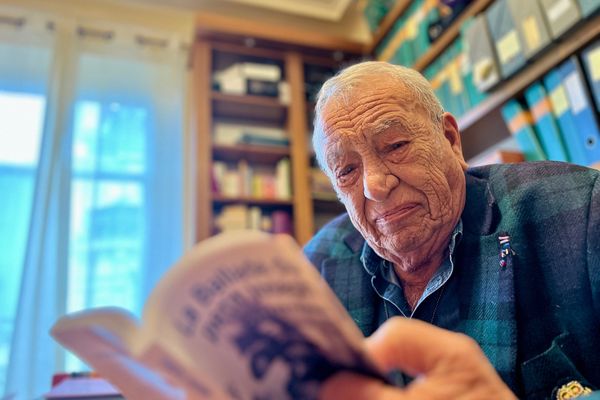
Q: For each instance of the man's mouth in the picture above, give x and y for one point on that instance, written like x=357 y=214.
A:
x=396 y=214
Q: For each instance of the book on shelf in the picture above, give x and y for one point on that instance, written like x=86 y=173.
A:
x=239 y=216
x=482 y=56
x=283 y=182
x=561 y=15
x=498 y=157
x=504 y=152
x=591 y=63
x=257 y=87
x=243 y=179
x=588 y=7
x=506 y=37
x=530 y=23
x=564 y=118
x=320 y=183
x=548 y=133
x=249 y=78
x=519 y=123
x=231 y=134
x=582 y=110
x=474 y=95
x=242 y=315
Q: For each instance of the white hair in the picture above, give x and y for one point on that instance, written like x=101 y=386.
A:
x=342 y=84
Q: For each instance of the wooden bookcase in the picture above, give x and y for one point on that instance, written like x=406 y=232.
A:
x=214 y=52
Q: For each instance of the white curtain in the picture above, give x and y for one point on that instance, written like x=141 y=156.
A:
x=102 y=218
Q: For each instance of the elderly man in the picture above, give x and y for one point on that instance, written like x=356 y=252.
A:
x=507 y=254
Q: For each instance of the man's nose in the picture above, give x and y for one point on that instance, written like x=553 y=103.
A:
x=378 y=182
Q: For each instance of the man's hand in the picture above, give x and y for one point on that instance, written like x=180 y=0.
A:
x=447 y=365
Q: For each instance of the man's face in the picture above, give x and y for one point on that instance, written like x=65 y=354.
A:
x=399 y=174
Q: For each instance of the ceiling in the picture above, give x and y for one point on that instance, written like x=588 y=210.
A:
x=324 y=10
x=330 y=10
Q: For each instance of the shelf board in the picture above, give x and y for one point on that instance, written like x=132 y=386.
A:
x=450 y=34
x=551 y=57
x=251 y=201
x=252 y=153
x=236 y=49
x=248 y=107
x=387 y=23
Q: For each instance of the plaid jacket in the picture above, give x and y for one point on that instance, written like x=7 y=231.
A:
x=538 y=318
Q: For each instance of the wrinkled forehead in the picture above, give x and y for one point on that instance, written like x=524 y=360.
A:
x=367 y=107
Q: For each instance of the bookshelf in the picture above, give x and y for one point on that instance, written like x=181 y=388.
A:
x=215 y=54
x=324 y=201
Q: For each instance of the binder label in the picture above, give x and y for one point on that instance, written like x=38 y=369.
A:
x=594 y=63
x=559 y=101
x=576 y=92
x=456 y=85
x=532 y=32
x=508 y=46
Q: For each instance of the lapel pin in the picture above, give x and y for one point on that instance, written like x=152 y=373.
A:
x=505 y=249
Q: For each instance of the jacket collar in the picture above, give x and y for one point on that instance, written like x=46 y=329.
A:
x=481 y=214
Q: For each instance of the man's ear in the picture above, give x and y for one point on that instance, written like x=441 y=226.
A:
x=452 y=135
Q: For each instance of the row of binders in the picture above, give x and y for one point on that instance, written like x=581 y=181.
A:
x=255 y=181
x=558 y=118
x=500 y=41
x=491 y=46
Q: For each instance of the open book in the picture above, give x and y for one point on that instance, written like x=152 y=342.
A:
x=242 y=315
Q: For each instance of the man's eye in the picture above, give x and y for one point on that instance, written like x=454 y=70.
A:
x=345 y=171
x=397 y=145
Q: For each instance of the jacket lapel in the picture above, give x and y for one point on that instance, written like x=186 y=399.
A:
x=487 y=303
x=352 y=285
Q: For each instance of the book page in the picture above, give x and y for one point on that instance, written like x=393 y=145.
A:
x=249 y=310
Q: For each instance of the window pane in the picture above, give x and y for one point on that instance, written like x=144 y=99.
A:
x=21 y=119
x=107 y=232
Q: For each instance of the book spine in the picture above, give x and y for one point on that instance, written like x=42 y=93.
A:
x=581 y=109
x=540 y=109
x=518 y=121
x=562 y=112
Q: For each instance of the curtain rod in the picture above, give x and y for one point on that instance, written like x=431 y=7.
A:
x=102 y=34
x=17 y=22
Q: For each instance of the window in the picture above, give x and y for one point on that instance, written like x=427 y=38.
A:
x=108 y=207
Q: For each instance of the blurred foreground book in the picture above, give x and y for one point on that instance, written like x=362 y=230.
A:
x=243 y=315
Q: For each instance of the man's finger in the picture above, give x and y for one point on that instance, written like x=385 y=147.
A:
x=416 y=347
x=347 y=385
